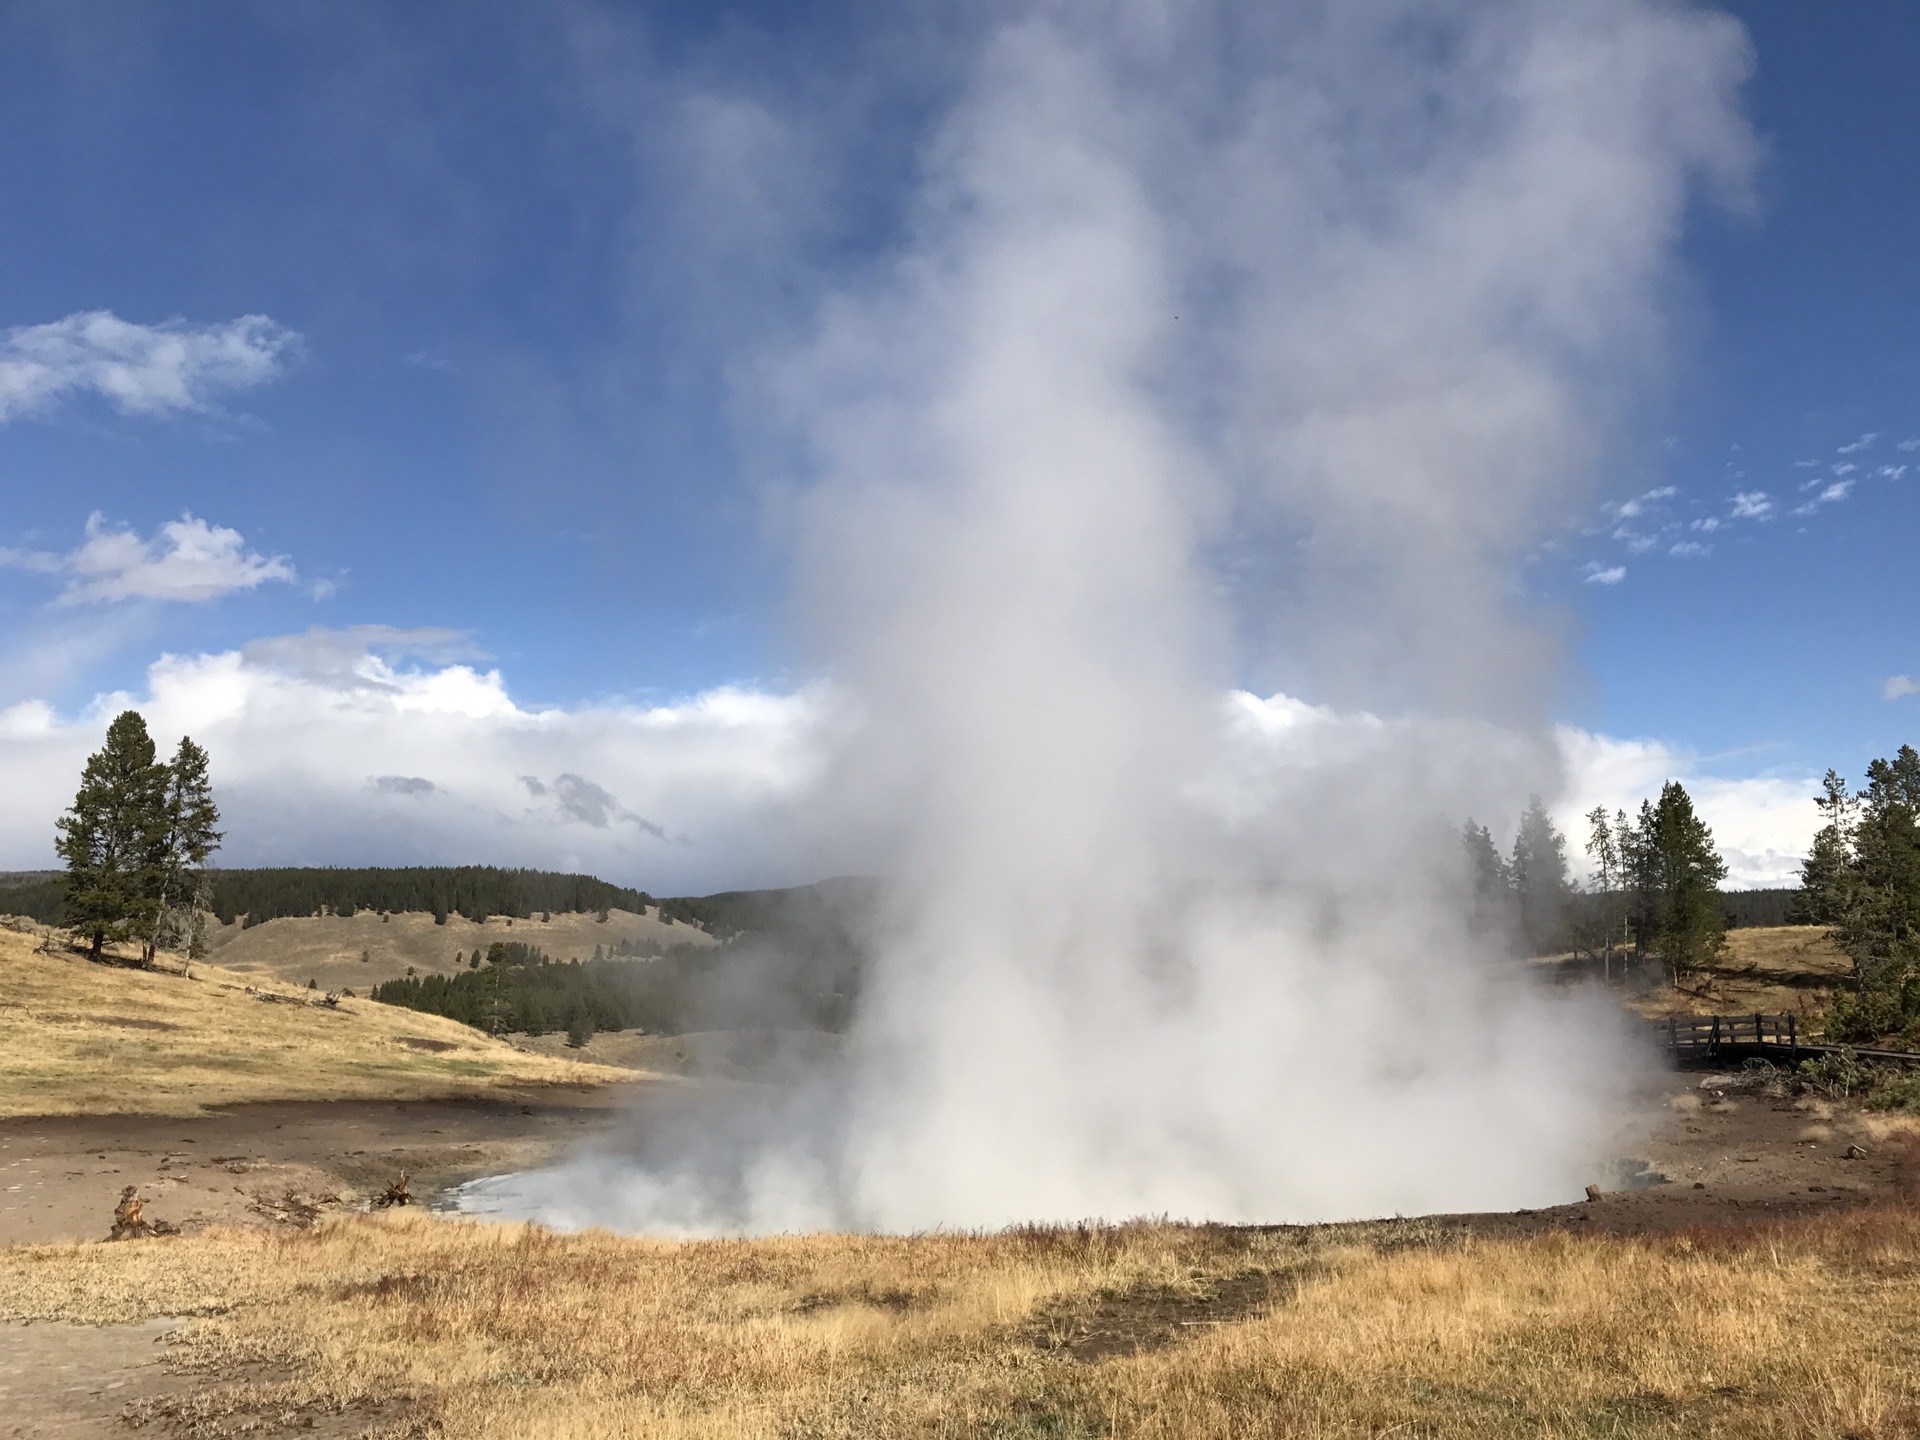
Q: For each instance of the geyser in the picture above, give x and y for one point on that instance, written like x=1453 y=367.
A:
x=1224 y=343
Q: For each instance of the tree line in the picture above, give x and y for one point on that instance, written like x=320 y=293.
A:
x=1655 y=887
x=477 y=892
x=745 y=983
x=1861 y=878
x=135 y=841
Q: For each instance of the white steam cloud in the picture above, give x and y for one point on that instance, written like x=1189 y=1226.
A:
x=1260 y=339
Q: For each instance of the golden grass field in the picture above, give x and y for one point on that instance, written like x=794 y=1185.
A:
x=413 y=1325
x=328 y=948
x=405 y=1324
x=80 y=1038
x=1775 y=970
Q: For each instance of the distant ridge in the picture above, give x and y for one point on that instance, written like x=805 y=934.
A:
x=473 y=891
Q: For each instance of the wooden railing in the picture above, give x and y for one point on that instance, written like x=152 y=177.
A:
x=1772 y=1037
x=1715 y=1034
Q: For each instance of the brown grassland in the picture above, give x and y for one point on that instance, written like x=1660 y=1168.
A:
x=412 y=1325
x=1779 y=969
x=328 y=948
x=79 y=1038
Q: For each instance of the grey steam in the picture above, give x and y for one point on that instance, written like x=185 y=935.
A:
x=1231 y=349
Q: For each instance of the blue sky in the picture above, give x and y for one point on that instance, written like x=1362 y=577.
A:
x=509 y=257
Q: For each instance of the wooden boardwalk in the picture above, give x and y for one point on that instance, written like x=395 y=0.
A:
x=1765 y=1037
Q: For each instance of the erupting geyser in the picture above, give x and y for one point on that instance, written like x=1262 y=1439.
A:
x=1227 y=347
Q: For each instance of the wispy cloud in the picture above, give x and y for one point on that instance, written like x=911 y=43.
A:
x=186 y=559
x=1752 y=505
x=1607 y=575
x=1891 y=472
x=1910 y=445
x=1899 y=685
x=138 y=369
x=1845 y=469
x=1639 y=504
x=1832 y=495
x=1861 y=444
x=1689 y=549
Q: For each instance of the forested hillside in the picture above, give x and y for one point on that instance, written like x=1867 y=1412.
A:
x=745 y=984
x=475 y=891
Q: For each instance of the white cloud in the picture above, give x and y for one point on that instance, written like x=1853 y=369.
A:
x=187 y=559
x=1891 y=472
x=1861 y=444
x=1610 y=575
x=1708 y=525
x=1899 y=685
x=138 y=369
x=325 y=751
x=1628 y=509
x=1689 y=549
x=1848 y=469
x=1910 y=445
x=1762 y=824
x=1752 y=505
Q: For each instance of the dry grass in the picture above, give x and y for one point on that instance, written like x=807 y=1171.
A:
x=81 y=1038
x=413 y=1325
x=1771 y=969
x=327 y=948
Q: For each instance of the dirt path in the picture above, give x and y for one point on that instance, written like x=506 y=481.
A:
x=72 y=1382
x=60 y=1177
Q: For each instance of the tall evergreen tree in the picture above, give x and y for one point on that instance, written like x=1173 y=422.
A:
x=1491 y=885
x=1827 y=872
x=1866 y=866
x=114 y=838
x=189 y=815
x=1689 y=927
x=1609 y=878
x=1538 y=870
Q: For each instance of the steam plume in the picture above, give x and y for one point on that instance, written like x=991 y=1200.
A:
x=1230 y=343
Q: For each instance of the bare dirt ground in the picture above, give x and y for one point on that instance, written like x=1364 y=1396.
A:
x=280 y=1164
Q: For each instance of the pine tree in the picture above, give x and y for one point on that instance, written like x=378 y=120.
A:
x=1827 y=872
x=1492 y=885
x=1690 y=927
x=1609 y=880
x=114 y=838
x=1538 y=870
x=1869 y=872
x=189 y=815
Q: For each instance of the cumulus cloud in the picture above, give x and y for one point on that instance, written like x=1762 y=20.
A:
x=328 y=748
x=577 y=798
x=186 y=559
x=1899 y=685
x=138 y=369
x=1831 y=495
x=403 y=785
x=1752 y=505
x=372 y=762
x=1762 y=824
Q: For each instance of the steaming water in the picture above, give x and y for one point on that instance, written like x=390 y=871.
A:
x=1223 y=341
